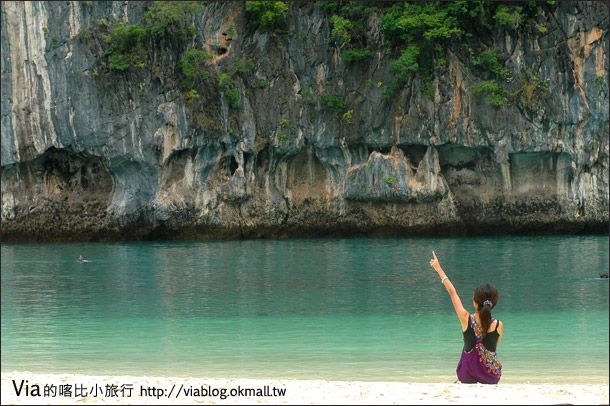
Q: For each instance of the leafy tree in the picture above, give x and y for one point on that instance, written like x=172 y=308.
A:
x=118 y=62
x=125 y=47
x=340 y=30
x=227 y=87
x=224 y=80
x=335 y=103
x=495 y=94
x=490 y=61
x=269 y=15
x=506 y=16
x=352 y=55
x=244 y=65
x=123 y=37
x=407 y=61
x=191 y=95
x=232 y=98
x=172 y=19
x=193 y=64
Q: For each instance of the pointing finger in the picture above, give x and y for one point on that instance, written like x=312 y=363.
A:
x=434 y=255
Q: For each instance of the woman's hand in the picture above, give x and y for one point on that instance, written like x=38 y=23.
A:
x=434 y=263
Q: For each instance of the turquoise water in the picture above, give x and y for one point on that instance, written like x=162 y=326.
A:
x=365 y=309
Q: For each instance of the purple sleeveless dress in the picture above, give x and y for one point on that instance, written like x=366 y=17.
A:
x=479 y=365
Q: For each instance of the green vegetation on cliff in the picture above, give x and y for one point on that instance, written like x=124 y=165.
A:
x=418 y=33
x=353 y=55
x=172 y=19
x=416 y=36
x=269 y=15
x=348 y=27
x=334 y=103
x=128 y=46
x=194 y=65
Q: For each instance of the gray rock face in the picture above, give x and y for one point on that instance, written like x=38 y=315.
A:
x=87 y=157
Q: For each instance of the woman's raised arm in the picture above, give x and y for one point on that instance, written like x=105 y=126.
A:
x=460 y=311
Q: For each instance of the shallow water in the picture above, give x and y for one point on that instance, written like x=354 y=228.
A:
x=365 y=309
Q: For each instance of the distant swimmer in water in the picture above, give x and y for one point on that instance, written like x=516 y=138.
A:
x=603 y=275
x=81 y=259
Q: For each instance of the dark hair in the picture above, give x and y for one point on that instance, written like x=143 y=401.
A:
x=481 y=294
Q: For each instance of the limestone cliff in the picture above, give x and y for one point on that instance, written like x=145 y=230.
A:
x=88 y=155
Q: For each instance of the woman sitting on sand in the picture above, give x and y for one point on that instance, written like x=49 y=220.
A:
x=482 y=333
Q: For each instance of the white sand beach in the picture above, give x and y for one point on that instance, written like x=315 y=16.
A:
x=164 y=390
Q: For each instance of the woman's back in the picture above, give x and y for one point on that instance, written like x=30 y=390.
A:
x=479 y=363
x=473 y=331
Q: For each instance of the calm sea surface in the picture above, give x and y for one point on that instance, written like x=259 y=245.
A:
x=363 y=309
